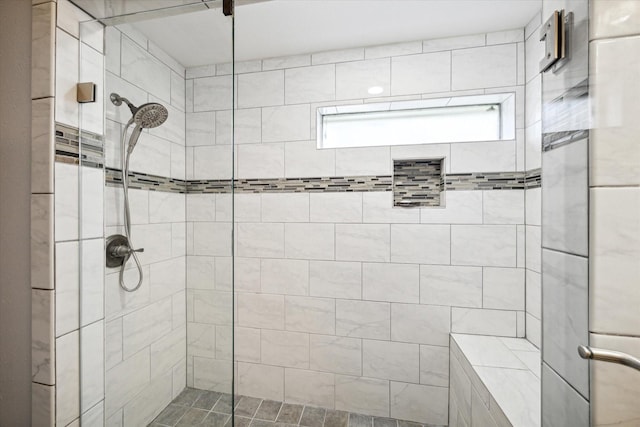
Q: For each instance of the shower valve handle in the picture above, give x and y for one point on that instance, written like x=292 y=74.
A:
x=122 y=251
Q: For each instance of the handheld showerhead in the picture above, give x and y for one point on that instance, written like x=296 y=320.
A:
x=146 y=116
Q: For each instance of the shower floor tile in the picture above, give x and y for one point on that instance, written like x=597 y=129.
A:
x=210 y=409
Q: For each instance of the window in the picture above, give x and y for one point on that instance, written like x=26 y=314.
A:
x=442 y=120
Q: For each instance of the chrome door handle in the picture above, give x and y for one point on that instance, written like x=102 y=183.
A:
x=608 y=356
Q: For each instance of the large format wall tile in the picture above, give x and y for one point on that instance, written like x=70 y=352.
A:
x=614 y=267
x=562 y=405
x=614 y=152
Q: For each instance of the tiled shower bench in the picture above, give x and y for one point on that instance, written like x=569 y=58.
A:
x=495 y=381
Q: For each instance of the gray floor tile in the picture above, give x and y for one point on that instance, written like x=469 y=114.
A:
x=336 y=418
x=384 y=422
x=268 y=410
x=312 y=417
x=171 y=415
x=261 y=423
x=207 y=400
x=290 y=414
x=188 y=396
x=247 y=406
x=238 y=422
x=215 y=419
x=402 y=423
x=224 y=404
x=193 y=417
x=359 y=420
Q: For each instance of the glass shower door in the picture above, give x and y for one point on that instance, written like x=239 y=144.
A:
x=160 y=347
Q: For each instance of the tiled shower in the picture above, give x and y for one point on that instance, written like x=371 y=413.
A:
x=273 y=269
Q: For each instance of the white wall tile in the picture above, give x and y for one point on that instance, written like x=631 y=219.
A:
x=363 y=161
x=483 y=322
x=260 y=161
x=335 y=279
x=42 y=241
x=247 y=344
x=483 y=67
x=533 y=206
x=336 y=207
x=391 y=282
x=426 y=244
x=533 y=101
x=247 y=126
x=451 y=285
x=200 y=207
x=286 y=62
x=613 y=390
x=308 y=387
x=141 y=328
x=166 y=207
x=422 y=324
x=362 y=395
x=212 y=374
x=260 y=311
x=391 y=360
x=419 y=403
x=460 y=207
x=613 y=19
x=303 y=159
x=201 y=340
x=503 y=207
x=261 y=240
x=92 y=70
x=563 y=405
x=288 y=207
x=310 y=84
x=42 y=68
x=42 y=145
x=614 y=254
x=336 y=354
x=214 y=238
x=246 y=207
x=67 y=287
x=315 y=315
x=614 y=155
x=282 y=348
x=201 y=128
x=285 y=276
x=261 y=89
x=146 y=405
x=343 y=55
x=212 y=93
x=92 y=365
x=67 y=73
x=67 y=389
x=309 y=241
x=460 y=42
x=66 y=202
x=483 y=245
x=434 y=365
x=178 y=94
x=363 y=319
x=565 y=301
x=503 y=288
x=504 y=37
x=212 y=162
x=494 y=156
x=43 y=336
x=353 y=79
x=145 y=71
x=212 y=307
x=377 y=207
x=397 y=49
x=426 y=73
x=262 y=381
x=91 y=281
x=362 y=242
x=286 y=123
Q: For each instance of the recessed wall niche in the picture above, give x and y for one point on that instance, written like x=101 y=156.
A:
x=417 y=182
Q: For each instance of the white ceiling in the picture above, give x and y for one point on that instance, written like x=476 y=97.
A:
x=289 y=27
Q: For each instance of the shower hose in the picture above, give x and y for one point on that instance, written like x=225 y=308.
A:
x=125 y=155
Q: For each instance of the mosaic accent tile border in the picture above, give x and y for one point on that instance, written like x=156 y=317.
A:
x=417 y=182
x=68 y=146
x=450 y=182
x=143 y=181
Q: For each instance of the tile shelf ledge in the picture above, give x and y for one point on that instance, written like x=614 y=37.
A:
x=504 y=373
